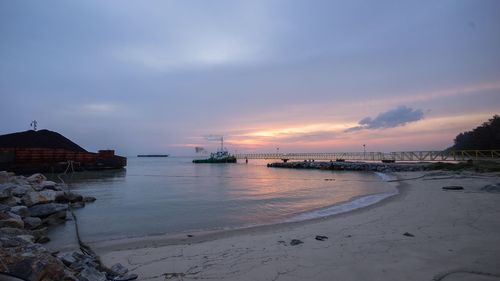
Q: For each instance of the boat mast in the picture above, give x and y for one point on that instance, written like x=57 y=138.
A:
x=222 y=143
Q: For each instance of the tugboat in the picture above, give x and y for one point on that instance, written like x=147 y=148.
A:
x=221 y=156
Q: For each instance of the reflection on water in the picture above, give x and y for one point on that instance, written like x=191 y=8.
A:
x=169 y=195
x=83 y=177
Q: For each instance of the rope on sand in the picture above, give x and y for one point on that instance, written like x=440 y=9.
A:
x=86 y=250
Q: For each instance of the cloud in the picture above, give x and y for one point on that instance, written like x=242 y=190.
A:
x=399 y=116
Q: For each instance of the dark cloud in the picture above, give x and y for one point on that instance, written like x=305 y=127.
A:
x=396 y=117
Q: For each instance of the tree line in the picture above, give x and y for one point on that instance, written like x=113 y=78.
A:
x=485 y=136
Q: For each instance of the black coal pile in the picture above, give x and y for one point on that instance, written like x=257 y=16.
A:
x=38 y=139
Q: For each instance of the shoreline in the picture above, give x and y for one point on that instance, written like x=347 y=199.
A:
x=248 y=248
x=198 y=236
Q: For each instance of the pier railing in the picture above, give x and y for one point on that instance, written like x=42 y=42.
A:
x=453 y=155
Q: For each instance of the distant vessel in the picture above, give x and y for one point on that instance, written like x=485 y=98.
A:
x=152 y=155
x=221 y=156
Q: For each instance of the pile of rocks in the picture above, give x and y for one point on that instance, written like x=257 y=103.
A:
x=353 y=166
x=28 y=205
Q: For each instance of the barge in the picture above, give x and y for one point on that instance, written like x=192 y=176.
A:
x=50 y=152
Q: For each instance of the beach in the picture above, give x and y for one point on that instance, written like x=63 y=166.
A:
x=423 y=233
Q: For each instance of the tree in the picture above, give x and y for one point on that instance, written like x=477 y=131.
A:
x=486 y=136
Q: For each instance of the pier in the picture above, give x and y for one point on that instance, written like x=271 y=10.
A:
x=453 y=155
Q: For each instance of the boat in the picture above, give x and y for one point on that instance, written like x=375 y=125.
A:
x=152 y=155
x=221 y=156
x=218 y=157
x=47 y=151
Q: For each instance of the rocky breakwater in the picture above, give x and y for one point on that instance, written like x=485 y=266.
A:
x=28 y=206
x=353 y=166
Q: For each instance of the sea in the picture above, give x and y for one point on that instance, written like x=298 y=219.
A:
x=158 y=196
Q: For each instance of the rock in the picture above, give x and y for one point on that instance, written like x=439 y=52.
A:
x=27 y=238
x=295 y=242
x=39 y=233
x=36 y=178
x=6 y=190
x=66 y=197
x=91 y=274
x=21 y=211
x=31 y=261
x=42 y=197
x=12 y=223
x=45 y=210
x=68 y=259
x=408 y=234
x=4 y=208
x=321 y=237
x=77 y=205
x=21 y=190
x=43 y=240
x=491 y=188
x=83 y=261
x=13 y=231
x=7 y=215
x=20 y=180
x=452 y=187
x=32 y=222
x=9 y=242
x=119 y=269
x=88 y=199
x=47 y=184
x=11 y=201
x=11 y=220
x=55 y=219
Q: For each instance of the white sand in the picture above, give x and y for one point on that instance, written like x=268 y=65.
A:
x=457 y=237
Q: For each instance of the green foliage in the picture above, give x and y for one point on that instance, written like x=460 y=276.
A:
x=486 y=136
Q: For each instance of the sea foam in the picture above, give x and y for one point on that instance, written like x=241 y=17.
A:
x=351 y=205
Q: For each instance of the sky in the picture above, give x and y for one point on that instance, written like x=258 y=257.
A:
x=301 y=76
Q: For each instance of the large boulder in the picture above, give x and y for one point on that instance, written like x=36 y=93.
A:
x=91 y=274
x=68 y=197
x=11 y=220
x=22 y=211
x=32 y=222
x=11 y=201
x=54 y=219
x=36 y=178
x=42 y=197
x=39 y=233
x=14 y=223
x=9 y=231
x=21 y=190
x=48 y=184
x=45 y=210
x=31 y=261
x=6 y=190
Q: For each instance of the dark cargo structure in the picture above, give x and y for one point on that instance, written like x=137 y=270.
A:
x=47 y=151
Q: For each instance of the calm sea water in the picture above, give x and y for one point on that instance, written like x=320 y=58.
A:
x=172 y=195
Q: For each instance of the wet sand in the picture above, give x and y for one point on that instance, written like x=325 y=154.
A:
x=450 y=235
